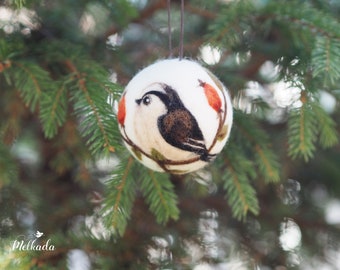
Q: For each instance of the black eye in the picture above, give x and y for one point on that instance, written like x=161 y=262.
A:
x=146 y=100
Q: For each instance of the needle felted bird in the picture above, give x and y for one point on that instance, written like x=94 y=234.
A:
x=175 y=116
x=177 y=125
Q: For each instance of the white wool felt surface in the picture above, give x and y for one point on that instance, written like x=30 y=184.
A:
x=141 y=127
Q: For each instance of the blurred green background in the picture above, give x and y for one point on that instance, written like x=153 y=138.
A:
x=263 y=51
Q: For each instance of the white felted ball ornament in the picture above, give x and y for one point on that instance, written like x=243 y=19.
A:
x=175 y=116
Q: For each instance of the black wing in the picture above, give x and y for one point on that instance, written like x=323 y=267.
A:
x=180 y=129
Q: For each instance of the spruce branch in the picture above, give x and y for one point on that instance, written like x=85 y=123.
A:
x=241 y=196
x=267 y=163
x=53 y=109
x=306 y=126
x=137 y=17
x=305 y=17
x=29 y=79
x=18 y=4
x=326 y=59
x=90 y=103
x=239 y=18
x=118 y=202
x=328 y=135
x=230 y=25
x=81 y=81
x=302 y=131
x=264 y=157
x=160 y=195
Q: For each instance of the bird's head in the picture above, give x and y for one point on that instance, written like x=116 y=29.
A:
x=152 y=103
x=160 y=93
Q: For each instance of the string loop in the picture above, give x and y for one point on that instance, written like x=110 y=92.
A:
x=181 y=38
x=169 y=28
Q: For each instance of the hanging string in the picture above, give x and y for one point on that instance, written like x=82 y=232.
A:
x=169 y=28
x=181 y=40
